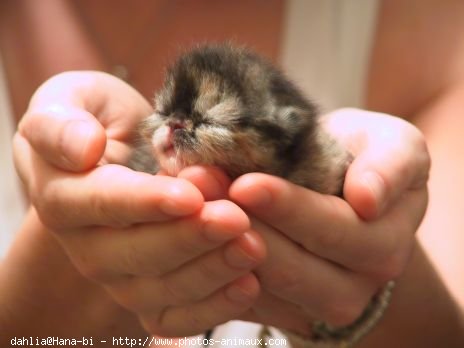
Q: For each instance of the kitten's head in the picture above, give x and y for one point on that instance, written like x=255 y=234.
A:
x=226 y=107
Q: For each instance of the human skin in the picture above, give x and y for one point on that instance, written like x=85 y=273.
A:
x=414 y=329
x=394 y=192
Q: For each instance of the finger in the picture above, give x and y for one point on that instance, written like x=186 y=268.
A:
x=390 y=157
x=224 y=305
x=328 y=227
x=110 y=195
x=193 y=281
x=209 y=273
x=158 y=248
x=67 y=137
x=212 y=182
x=380 y=175
x=66 y=117
x=324 y=290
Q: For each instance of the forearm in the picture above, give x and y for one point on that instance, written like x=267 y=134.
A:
x=442 y=123
x=421 y=314
x=41 y=294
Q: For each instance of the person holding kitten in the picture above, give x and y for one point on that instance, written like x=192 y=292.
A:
x=181 y=278
x=183 y=254
x=108 y=195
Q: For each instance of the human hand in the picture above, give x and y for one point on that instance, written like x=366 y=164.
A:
x=182 y=265
x=327 y=257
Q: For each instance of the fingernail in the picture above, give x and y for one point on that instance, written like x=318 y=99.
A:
x=76 y=138
x=170 y=204
x=215 y=189
x=376 y=185
x=237 y=294
x=174 y=207
x=169 y=207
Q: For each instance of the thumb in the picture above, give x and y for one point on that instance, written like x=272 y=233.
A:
x=68 y=137
x=384 y=171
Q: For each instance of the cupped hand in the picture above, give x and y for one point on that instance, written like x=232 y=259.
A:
x=327 y=256
x=180 y=263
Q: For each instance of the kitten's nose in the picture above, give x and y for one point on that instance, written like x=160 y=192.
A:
x=175 y=125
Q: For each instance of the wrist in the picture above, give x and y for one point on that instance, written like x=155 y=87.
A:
x=322 y=335
x=42 y=294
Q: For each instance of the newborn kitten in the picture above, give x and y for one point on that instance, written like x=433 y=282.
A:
x=225 y=106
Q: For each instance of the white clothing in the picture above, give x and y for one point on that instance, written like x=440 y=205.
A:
x=326 y=49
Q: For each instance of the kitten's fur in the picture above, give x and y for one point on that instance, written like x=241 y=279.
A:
x=225 y=106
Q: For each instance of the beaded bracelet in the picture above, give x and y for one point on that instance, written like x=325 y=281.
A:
x=327 y=336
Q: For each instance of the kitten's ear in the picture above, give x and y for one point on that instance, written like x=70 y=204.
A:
x=293 y=119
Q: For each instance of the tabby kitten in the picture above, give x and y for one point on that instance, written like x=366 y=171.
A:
x=225 y=106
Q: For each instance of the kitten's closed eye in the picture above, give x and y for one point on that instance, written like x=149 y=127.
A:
x=225 y=106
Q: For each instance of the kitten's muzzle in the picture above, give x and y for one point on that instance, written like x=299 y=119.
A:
x=176 y=125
